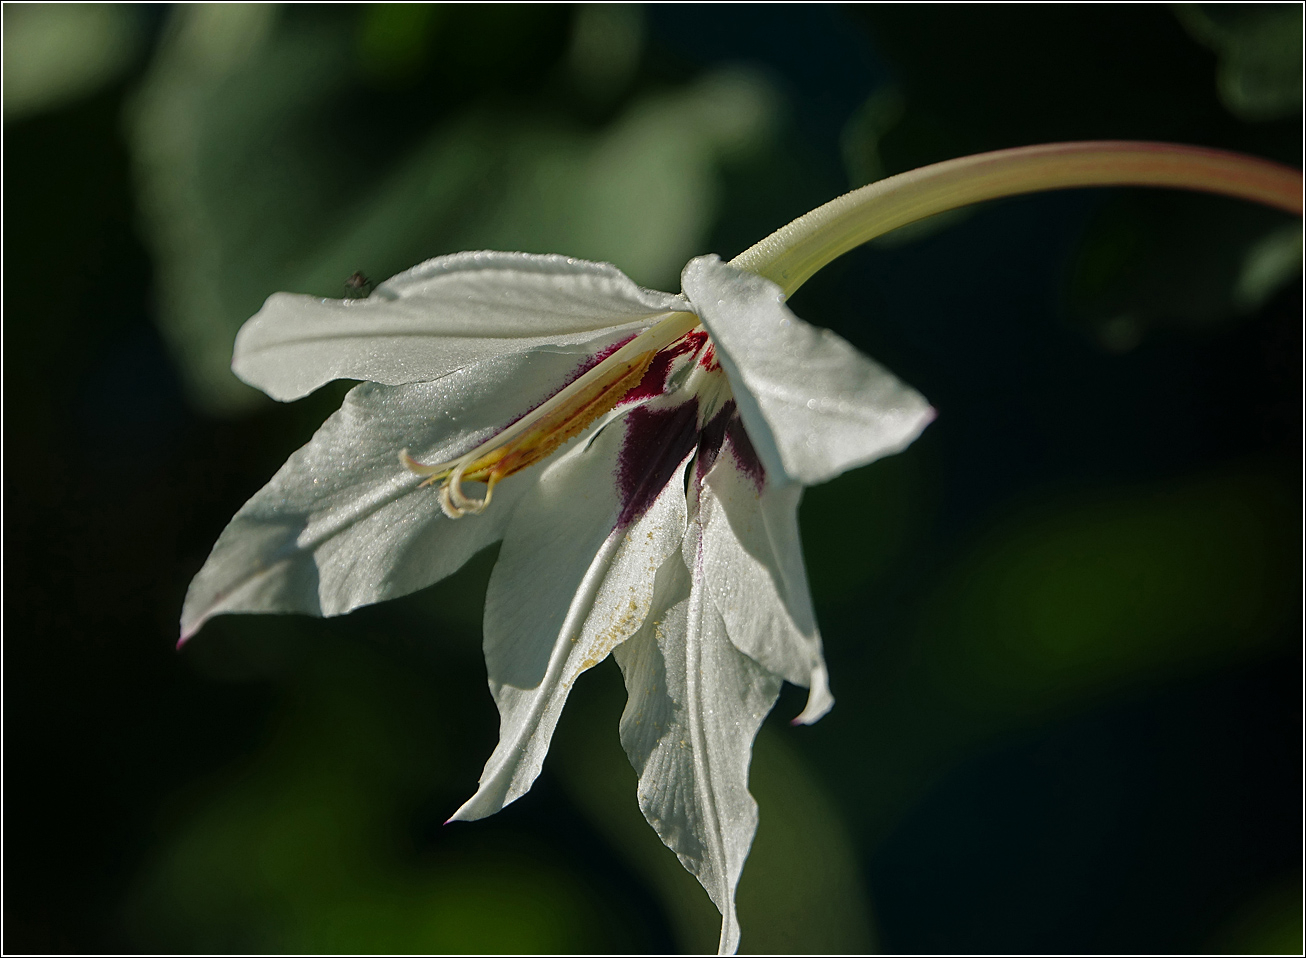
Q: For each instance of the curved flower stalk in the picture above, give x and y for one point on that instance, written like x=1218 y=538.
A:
x=641 y=455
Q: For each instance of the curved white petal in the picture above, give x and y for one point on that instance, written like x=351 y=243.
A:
x=343 y=524
x=813 y=405
x=445 y=314
x=752 y=566
x=695 y=705
x=570 y=585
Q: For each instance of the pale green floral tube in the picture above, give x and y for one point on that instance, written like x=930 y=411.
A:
x=793 y=254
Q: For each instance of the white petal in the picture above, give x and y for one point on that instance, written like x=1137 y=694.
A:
x=813 y=405
x=343 y=524
x=441 y=316
x=570 y=585
x=752 y=566
x=695 y=705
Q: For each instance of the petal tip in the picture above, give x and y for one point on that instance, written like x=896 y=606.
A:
x=811 y=715
x=469 y=810
x=819 y=699
x=188 y=632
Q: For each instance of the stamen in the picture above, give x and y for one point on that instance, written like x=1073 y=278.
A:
x=446 y=506
x=551 y=424
x=455 y=503
x=434 y=472
x=452 y=490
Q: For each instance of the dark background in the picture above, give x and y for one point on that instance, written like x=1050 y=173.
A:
x=1063 y=628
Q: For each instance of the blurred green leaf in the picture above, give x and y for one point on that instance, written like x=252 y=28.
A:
x=856 y=526
x=57 y=52
x=1062 y=605
x=1269 y=925
x=1270 y=264
x=917 y=139
x=249 y=187
x=1260 y=50
x=307 y=849
x=606 y=42
x=394 y=39
x=224 y=192
x=1112 y=591
x=859 y=141
x=640 y=194
x=1155 y=260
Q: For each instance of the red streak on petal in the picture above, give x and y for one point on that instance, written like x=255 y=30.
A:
x=654 y=383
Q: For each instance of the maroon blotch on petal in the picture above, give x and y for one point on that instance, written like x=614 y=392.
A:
x=741 y=447
x=710 y=438
x=589 y=363
x=657 y=442
x=654 y=383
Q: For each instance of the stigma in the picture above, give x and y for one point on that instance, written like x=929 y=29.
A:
x=619 y=377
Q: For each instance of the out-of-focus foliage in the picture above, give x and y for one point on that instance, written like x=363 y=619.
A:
x=1260 y=49
x=56 y=52
x=265 y=162
x=1152 y=260
x=1200 y=262
x=1065 y=603
x=1135 y=271
x=1062 y=628
x=1110 y=591
x=883 y=113
x=606 y=42
x=1270 y=925
x=304 y=849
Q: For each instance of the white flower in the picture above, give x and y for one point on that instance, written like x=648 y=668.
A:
x=641 y=455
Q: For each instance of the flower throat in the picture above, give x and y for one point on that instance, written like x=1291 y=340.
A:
x=557 y=420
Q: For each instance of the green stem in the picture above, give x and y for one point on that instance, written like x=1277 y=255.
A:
x=793 y=253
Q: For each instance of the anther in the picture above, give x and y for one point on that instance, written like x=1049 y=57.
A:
x=432 y=472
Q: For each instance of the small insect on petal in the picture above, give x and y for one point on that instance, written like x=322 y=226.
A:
x=358 y=286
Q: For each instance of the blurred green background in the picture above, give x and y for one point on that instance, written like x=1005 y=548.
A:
x=1063 y=628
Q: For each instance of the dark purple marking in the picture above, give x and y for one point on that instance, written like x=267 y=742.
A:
x=584 y=366
x=654 y=382
x=602 y=354
x=657 y=442
x=741 y=447
x=710 y=438
x=726 y=431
